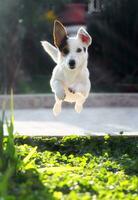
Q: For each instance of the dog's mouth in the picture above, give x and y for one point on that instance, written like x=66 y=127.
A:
x=72 y=67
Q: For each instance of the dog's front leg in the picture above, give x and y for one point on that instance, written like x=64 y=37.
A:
x=57 y=88
x=84 y=88
x=57 y=107
x=79 y=103
x=83 y=92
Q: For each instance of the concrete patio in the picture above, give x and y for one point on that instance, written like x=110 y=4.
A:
x=92 y=121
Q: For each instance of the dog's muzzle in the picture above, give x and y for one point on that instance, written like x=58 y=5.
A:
x=72 y=64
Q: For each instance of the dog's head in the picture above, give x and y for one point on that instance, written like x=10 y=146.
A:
x=73 y=50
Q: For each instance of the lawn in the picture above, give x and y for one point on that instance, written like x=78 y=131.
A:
x=74 y=168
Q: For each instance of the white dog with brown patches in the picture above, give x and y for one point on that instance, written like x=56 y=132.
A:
x=70 y=78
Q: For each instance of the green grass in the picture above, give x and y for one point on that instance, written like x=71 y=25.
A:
x=75 y=168
x=67 y=168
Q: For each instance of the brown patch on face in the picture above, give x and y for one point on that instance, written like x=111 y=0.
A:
x=65 y=50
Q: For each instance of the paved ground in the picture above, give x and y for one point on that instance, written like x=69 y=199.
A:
x=92 y=121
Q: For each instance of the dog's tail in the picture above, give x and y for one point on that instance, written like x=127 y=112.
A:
x=51 y=50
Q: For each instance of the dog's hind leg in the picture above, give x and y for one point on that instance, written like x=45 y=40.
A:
x=79 y=104
x=57 y=107
x=78 y=107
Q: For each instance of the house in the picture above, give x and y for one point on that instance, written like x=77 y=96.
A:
x=95 y=6
x=73 y=17
x=76 y=15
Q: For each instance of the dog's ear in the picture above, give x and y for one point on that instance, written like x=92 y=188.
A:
x=84 y=36
x=59 y=33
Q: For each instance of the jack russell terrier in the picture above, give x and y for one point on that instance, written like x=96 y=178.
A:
x=70 y=78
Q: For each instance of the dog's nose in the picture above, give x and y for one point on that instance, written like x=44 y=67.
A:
x=72 y=64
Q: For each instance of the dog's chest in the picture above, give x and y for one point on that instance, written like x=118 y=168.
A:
x=70 y=78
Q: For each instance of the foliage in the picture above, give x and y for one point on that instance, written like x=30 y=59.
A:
x=10 y=44
x=37 y=20
x=120 y=35
x=76 y=168
x=10 y=162
x=8 y=156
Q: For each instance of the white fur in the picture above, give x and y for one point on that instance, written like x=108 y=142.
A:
x=70 y=85
x=50 y=49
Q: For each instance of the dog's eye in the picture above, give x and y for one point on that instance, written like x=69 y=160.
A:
x=79 y=50
x=65 y=51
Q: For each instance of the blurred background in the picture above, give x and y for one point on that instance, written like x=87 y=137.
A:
x=113 y=55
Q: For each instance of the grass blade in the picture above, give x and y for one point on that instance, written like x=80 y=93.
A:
x=2 y=135
x=27 y=158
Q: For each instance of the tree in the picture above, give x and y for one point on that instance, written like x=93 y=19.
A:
x=121 y=34
x=10 y=44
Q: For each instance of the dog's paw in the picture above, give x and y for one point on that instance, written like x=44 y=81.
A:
x=78 y=107
x=56 y=109
x=71 y=90
x=60 y=95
